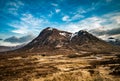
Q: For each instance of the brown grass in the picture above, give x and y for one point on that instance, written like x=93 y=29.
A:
x=73 y=67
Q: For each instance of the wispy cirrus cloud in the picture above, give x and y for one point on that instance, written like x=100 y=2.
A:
x=57 y=10
x=72 y=18
x=13 y=7
x=76 y=17
x=85 y=24
x=27 y=24
x=65 y=18
x=110 y=26
x=54 y=4
x=103 y=23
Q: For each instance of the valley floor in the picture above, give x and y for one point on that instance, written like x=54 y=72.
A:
x=73 y=67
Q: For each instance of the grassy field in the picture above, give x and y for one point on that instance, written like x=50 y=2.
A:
x=73 y=67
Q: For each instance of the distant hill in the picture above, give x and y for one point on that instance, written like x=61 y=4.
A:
x=8 y=48
x=114 y=41
x=15 y=39
x=4 y=48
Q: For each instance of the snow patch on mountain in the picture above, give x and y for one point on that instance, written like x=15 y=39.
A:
x=50 y=29
x=63 y=34
x=111 y=39
x=73 y=34
x=84 y=33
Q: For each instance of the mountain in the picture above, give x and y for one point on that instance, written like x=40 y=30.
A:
x=23 y=39
x=11 y=39
x=4 y=48
x=52 y=40
x=86 y=41
x=49 y=39
x=9 y=48
x=113 y=41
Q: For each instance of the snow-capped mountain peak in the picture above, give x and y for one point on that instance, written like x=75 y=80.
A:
x=50 y=28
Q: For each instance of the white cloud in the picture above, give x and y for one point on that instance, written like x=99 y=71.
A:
x=103 y=37
x=28 y=24
x=81 y=11
x=15 y=4
x=86 y=24
x=65 y=18
x=13 y=7
x=13 y=11
x=94 y=6
x=71 y=27
x=31 y=20
x=54 y=4
x=77 y=16
x=116 y=36
x=105 y=22
x=117 y=19
x=57 y=10
x=97 y=5
x=113 y=18
x=21 y=30
x=106 y=36
x=3 y=43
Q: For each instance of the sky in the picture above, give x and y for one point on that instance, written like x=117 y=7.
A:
x=27 y=18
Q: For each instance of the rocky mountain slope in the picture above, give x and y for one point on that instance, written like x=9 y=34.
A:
x=4 y=48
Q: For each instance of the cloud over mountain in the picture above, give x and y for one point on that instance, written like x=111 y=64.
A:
x=1 y=39
x=23 y=39
x=104 y=34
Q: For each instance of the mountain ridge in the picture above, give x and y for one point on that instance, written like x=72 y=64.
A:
x=52 y=40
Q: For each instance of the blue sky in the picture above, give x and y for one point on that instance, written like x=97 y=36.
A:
x=28 y=17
